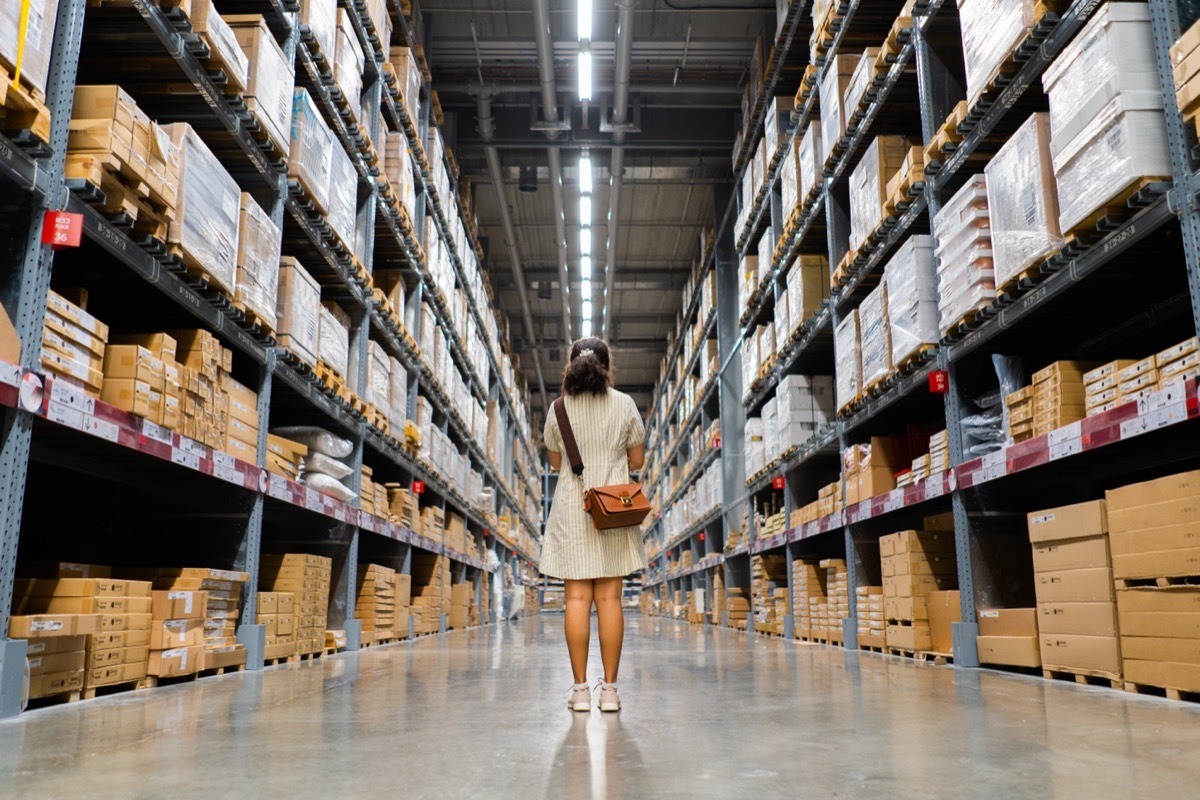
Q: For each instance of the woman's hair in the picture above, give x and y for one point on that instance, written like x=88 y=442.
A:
x=589 y=370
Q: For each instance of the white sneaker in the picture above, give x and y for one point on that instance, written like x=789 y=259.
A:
x=579 y=698
x=610 y=701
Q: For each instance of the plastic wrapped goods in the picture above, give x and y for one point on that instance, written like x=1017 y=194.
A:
x=298 y=311
x=397 y=396
x=966 y=278
x=847 y=360
x=310 y=159
x=807 y=286
x=399 y=171
x=776 y=122
x=348 y=64
x=320 y=17
x=991 y=31
x=259 y=242
x=1023 y=201
x=317 y=440
x=789 y=177
x=342 y=213
x=833 y=109
x=868 y=186
x=860 y=81
x=379 y=378
x=326 y=484
x=766 y=255
x=206 y=213
x=876 y=337
x=912 y=298
x=270 y=80
x=39 y=36
x=810 y=160
x=320 y=463
x=334 y=347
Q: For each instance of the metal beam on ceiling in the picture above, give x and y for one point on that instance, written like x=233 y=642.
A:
x=659 y=129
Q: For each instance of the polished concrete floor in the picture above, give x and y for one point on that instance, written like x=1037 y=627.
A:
x=707 y=714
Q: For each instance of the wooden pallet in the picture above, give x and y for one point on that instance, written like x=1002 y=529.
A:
x=808 y=85
x=92 y=692
x=914 y=361
x=196 y=270
x=209 y=673
x=1163 y=691
x=23 y=112
x=1112 y=214
x=129 y=205
x=254 y=319
x=1019 y=281
x=275 y=662
x=56 y=698
x=909 y=189
x=1084 y=677
x=154 y=681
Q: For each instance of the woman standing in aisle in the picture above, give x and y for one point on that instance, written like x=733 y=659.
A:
x=593 y=563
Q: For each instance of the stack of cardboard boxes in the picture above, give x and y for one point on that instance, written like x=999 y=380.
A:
x=1058 y=395
x=463 y=610
x=1077 y=612
x=737 y=607
x=805 y=406
x=808 y=585
x=767 y=573
x=1153 y=531
x=57 y=650
x=883 y=158
x=433 y=523
x=177 y=633
x=405 y=507
x=431 y=586
x=73 y=345
x=376 y=604
x=285 y=457
x=308 y=578
x=717 y=606
x=1009 y=637
x=872 y=629
x=298 y=308
x=939 y=453
x=916 y=564
x=277 y=614
x=829 y=613
x=223 y=612
x=403 y=605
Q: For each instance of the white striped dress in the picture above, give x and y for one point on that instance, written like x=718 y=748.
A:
x=605 y=427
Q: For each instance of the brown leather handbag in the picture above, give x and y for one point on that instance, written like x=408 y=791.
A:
x=622 y=505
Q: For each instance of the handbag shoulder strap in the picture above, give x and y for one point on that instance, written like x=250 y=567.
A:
x=568 y=435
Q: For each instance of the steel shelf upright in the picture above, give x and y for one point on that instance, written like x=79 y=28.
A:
x=28 y=284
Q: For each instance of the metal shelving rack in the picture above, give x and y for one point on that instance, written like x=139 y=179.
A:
x=1043 y=472
x=32 y=182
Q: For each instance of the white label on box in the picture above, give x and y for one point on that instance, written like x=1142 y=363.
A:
x=893 y=500
x=184 y=458
x=185 y=596
x=10 y=374
x=995 y=465
x=312 y=500
x=193 y=447
x=1066 y=441
x=64 y=393
x=47 y=625
x=179 y=625
x=278 y=487
x=224 y=468
x=935 y=486
x=68 y=417
x=157 y=433
x=1042 y=519
x=102 y=429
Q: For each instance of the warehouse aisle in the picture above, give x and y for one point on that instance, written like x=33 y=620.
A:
x=708 y=714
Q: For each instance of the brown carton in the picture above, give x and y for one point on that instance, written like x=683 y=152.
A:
x=1075 y=586
x=1068 y=554
x=180 y=605
x=1087 y=619
x=178 y=661
x=1070 y=651
x=1016 y=651
x=945 y=609
x=1008 y=622
x=1068 y=522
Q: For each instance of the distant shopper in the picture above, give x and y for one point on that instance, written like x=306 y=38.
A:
x=593 y=563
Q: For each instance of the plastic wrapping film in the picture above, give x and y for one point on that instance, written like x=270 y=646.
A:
x=833 y=109
x=326 y=484
x=860 y=81
x=343 y=195
x=912 y=298
x=379 y=377
x=400 y=171
x=226 y=52
x=766 y=255
x=310 y=159
x=747 y=280
x=409 y=74
x=206 y=213
x=258 y=255
x=322 y=464
x=39 y=35
x=779 y=112
x=966 y=276
x=270 y=79
x=1121 y=146
x=299 y=311
x=789 y=177
x=875 y=336
x=381 y=18
x=1112 y=56
x=397 y=404
x=320 y=17
x=810 y=161
x=348 y=64
x=334 y=346
x=317 y=440
x=807 y=286
x=1023 y=200
x=865 y=191
x=991 y=30
x=847 y=360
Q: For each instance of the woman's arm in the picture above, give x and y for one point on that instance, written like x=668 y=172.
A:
x=555 y=460
x=637 y=457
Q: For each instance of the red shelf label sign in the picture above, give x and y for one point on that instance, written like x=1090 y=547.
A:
x=939 y=381
x=418 y=487
x=777 y=482
x=60 y=229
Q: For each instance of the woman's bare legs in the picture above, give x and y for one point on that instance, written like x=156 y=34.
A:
x=578 y=625
x=607 y=595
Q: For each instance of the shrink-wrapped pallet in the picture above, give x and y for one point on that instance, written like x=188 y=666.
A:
x=224 y=51
x=1107 y=126
x=1023 y=201
x=299 y=311
x=776 y=122
x=399 y=171
x=789 y=177
x=334 y=344
x=966 y=278
x=809 y=161
x=834 y=113
x=39 y=36
x=379 y=377
x=991 y=31
x=320 y=18
x=271 y=80
x=766 y=256
x=912 y=298
x=206 y=214
x=397 y=396
x=310 y=159
x=349 y=62
x=868 y=186
x=847 y=360
x=343 y=195
x=807 y=287
x=258 y=254
x=875 y=336
x=860 y=81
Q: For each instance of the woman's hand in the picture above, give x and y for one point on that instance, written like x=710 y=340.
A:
x=637 y=457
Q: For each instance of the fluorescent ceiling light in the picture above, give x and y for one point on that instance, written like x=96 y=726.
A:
x=585 y=287
x=585 y=210
x=585 y=75
x=584 y=18
x=586 y=328
x=585 y=267
x=585 y=241
x=587 y=310
x=585 y=175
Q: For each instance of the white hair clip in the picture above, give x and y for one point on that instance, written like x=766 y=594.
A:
x=583 y=353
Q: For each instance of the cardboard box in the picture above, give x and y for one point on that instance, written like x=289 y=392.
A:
x=177 y=661
x=55 y=645
x=1095 y=653
x=58 y=683
x=1008 y=622
x=172 y=633
x=945 y=609
x=176 y=605
x=1068 y=522
x=1075 y=586
x=1085 y=619
x=44 y=625
x=909 y=637
x=1146 y=648
x=1069 y=554
x=114 y=623
x=1015 y=651
x=1172 y=487
x=57 y=662
x=1184 y=677
x=1158 y=564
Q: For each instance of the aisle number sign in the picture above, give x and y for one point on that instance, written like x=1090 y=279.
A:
x=61 y=229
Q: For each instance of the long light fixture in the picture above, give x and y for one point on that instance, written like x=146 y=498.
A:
x=585 y=209
x=585 y=174
x=585 y=75
x=584 y=19
x=585 y=268
x=585 y=240
x=583 y=11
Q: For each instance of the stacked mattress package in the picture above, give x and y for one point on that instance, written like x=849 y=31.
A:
x=966 y=278
x=912 y=307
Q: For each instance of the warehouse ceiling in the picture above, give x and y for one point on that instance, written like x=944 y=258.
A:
x=687 y=67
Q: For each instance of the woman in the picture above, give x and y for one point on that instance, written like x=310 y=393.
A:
x=610 y=436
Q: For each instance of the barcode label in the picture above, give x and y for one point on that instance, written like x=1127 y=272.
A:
x=185 y=459
x=935 y=486
x=68 y=417
x=67 y=395
x=224 y=467
x=157 y=433
x=278 y=488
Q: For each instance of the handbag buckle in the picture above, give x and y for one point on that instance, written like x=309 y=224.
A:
x=626 y=500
